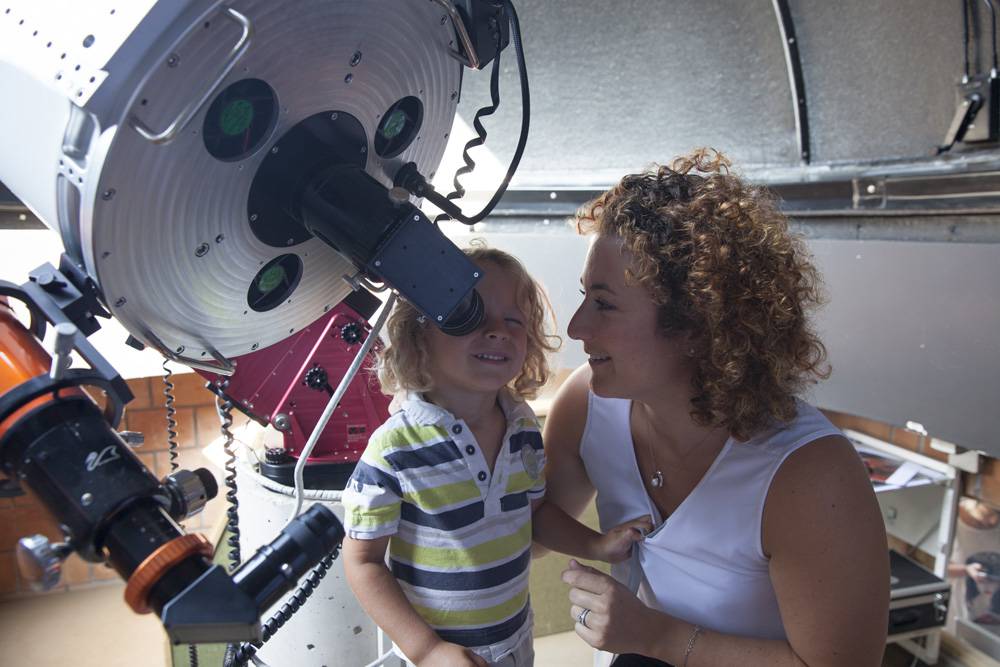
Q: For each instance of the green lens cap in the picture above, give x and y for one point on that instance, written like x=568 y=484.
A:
x=236 y=117
x=271 y=278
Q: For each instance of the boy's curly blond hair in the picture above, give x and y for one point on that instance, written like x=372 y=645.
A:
x=404 y=364
x=717 y=257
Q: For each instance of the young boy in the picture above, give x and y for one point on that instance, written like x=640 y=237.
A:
x=452 y=483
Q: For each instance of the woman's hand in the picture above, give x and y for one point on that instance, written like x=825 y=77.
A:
x=618 y=621
x=445 y=654
x=616 y=544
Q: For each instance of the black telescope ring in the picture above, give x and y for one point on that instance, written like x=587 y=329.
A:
x=41 y=385
x=38 y=322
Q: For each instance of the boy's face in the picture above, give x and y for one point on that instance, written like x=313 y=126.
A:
x=487 y=359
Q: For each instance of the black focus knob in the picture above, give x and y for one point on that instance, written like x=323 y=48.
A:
x=351 y=333
x=276 y=456
x=316 y=378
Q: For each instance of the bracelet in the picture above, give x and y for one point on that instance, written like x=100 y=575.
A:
x=691 y=643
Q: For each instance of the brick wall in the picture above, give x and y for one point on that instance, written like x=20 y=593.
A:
x=197 y=426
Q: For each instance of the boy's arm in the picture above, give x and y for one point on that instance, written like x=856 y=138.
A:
x=383 y=600
x=554 y=529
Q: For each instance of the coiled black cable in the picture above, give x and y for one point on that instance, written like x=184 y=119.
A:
x=515 y=32
x=168 y=392
x=225 y=408
x=480 y=138
x=237 y=656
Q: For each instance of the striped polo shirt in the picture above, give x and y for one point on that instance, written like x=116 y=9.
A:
x=461 y=534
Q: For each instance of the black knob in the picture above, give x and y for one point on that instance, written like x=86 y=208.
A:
x=351 y=333
x=276 y=456
x=316 y=378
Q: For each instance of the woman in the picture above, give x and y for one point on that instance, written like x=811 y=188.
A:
x=768 y=546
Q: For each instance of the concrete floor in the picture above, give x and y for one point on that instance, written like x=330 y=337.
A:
x=94 y=628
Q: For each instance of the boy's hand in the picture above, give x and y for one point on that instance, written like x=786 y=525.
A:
x=616 y=544
x=445 y=654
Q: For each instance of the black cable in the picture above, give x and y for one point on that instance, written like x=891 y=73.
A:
x=515 y=31
x=480 y=138
x=232 y=513
x=237 y=656
x=168 y=392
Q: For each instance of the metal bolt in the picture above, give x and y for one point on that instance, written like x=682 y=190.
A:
x=120 y=302
x=220 y=238
x=333 y=116
x=274 y=149
x=108 y=195
x=282 y=422
x=180 y=349
x=364 y=149
x=173 y=60
x=378 y=262
x=201 y=250
x=355 y=59
x=440 y=318
x=253 y=217
x=86 y=499
x=348 y=78
x=475 y=274
x=416 y=218
x=255 y=346
x=290 y=242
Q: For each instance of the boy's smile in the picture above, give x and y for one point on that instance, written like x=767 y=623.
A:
x=487 y=359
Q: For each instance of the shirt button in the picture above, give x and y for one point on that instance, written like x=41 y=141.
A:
x=469 y=449
x=456 y=429
x=482 y=476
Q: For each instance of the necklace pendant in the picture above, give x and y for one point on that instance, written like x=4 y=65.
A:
x=656 y=481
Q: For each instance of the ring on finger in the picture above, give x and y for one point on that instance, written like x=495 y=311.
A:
x=582 y=618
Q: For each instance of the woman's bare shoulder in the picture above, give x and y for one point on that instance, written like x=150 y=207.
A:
x=823 y=477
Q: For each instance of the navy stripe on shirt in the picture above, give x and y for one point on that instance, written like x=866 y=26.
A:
x=450 y=520
x=513 y=501
x=430 y=455
x=488 y=635
x=366 y=474
x=522 y=438
x=464 y=580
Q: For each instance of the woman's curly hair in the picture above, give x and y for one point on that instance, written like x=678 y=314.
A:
x=404 y=364
x=718 y=258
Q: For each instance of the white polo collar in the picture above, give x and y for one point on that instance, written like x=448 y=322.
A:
x=425 y=413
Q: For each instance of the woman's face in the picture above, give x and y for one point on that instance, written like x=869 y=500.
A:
x=617 y=324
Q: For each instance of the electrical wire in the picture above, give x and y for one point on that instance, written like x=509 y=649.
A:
x=480 y=138
x=168 y=392
x=515 y=32
x=225 y=410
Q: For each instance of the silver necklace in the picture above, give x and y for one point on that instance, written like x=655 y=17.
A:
x=656 y=479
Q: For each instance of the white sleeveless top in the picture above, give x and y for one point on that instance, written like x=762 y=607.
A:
x=705 y=563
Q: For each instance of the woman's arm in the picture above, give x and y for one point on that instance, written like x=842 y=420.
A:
x=383 y=600
x=829 y=566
